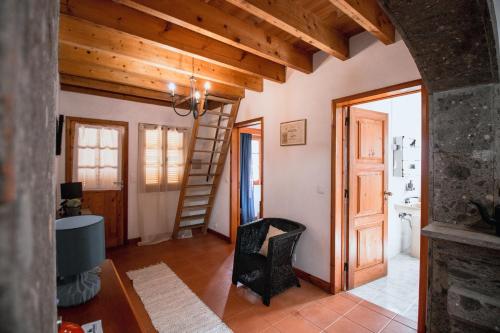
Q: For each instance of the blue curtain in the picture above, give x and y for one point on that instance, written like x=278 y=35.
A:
x=246 y=181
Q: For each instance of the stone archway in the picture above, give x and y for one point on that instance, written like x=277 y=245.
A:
x=455 y=46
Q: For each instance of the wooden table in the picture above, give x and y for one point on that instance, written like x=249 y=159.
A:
x=111 y=305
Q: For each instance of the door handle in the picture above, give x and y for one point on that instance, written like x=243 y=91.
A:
x=387 y=194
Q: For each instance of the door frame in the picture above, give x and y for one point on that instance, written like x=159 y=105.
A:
x=234 y=194
x=339 y=177
x=70 y=121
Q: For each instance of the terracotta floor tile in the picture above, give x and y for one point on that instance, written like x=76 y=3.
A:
x=367 y=318
x=319 y=314
x=344 y=325
x=352 y=297
x=339 y=304
x=395 y=327
x=406 y=321
x=205 y=264
x=247 y=322
x=379 y=309
x=271 y=329
x=296 y=324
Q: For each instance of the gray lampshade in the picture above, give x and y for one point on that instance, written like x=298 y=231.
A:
x=79 y=244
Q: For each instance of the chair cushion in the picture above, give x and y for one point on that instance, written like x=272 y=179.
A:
x=270 y=233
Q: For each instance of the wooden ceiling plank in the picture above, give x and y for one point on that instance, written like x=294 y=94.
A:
x=79 y=32
x=298 y=21
x=112 y=60
x=172 y=37
x=104 y=73
x=370 y=16
x=217 y=24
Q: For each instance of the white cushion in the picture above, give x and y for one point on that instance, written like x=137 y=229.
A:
x=270 y=233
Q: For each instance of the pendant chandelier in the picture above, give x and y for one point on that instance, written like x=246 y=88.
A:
x=194 y=99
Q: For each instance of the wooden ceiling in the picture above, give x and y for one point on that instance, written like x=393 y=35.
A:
x=134 y=48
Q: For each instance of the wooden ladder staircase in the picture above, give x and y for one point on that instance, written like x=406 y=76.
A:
x=207 y=152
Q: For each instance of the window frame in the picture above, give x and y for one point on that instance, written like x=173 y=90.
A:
x=165 y=184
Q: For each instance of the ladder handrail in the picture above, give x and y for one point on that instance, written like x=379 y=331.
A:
x=215 y=142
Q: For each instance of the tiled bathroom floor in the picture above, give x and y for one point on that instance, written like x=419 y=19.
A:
x=398 y=291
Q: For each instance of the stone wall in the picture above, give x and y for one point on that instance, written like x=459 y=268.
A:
x=454 y=44
x=465 y=293
x=28 y=95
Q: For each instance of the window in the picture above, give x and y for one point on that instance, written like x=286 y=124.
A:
x=175 y=156
x=153 y=157
x=256 y=159
x=97 y=156
x=162 y=156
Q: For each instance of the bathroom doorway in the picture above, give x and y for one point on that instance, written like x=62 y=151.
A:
x=247 y=179
x=379 y=197
x=396 y=288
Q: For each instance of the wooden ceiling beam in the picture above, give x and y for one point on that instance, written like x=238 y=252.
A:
x=172 y=37
x=114 y=61
x=117 y=88
x=370 y=16
x=82 y=33
x=290 y=16
x=217 y=24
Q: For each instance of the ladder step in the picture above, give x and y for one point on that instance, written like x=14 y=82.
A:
x=198 y=196
x=192 y=226
x=221 y=99
x=204 y=163
x=192 y=217
x=209 y=139
x=198 y=185
x=196 y=207
x=207 y=151
x=215 y=126
x=222 y=114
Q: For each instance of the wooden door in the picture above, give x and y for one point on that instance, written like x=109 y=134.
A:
x=367 y=213
x=100 y=162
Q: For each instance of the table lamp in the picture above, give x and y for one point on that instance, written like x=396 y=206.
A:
x=80 y=249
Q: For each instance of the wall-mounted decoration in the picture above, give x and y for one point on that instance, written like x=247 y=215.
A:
x=293 y=133
x=406 y=157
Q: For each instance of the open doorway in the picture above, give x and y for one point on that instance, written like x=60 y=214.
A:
x=247 y=180
x=379 y=199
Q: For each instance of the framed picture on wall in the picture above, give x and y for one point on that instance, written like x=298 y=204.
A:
x=293 y=133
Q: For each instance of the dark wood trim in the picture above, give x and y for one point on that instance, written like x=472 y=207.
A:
x=338 y=179
x=219 y=235
x=400 y=89
x=70 y=131
x=133 y=241
x=234 y=197
x=322 y=284
x=337 y=200
x=249 y=122
x=424 y=214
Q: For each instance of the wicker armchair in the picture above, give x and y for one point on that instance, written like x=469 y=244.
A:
x=267 y=276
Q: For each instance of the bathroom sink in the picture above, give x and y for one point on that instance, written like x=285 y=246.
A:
x=411 y=208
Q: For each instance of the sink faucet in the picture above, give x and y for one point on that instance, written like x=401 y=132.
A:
x=408 y=200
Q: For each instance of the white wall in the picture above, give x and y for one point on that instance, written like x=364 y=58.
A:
x=405 y=117
x=97 y=107
x=297 y=178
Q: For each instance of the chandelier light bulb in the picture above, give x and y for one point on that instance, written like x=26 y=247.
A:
x=197 y=95
x=171 y=87
x=207 y=86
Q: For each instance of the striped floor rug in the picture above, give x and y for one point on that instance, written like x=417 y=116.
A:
x=171 y=305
